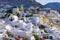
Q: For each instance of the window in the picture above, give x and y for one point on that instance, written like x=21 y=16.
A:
x=16 y=26
x=1 y=32
x=11 y=19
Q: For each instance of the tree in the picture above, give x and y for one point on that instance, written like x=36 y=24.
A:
x=7 y=15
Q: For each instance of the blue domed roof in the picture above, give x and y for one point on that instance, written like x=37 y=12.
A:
x=15 y=7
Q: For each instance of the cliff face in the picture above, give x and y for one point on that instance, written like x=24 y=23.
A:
x=26 y=3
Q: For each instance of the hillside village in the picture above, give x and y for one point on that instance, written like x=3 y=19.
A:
x=34 y=23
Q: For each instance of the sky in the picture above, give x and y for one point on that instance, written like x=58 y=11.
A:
x=47 y=1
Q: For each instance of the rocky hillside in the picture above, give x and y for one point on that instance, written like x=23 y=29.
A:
x=53 y=5
x=26 y=3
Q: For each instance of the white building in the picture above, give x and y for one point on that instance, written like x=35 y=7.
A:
x=23 y=34
x=13 y=18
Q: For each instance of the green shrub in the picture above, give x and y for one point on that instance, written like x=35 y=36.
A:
x=9 y=11
x=36 y=37
x=18 y=15
x=4 y=38
x=45 y=31
x=3 y=17
x=10 y=35
x=25 y=38
x=29 y=15
x=41 y=27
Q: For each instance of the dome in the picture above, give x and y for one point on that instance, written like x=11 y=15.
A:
x=15 y=7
